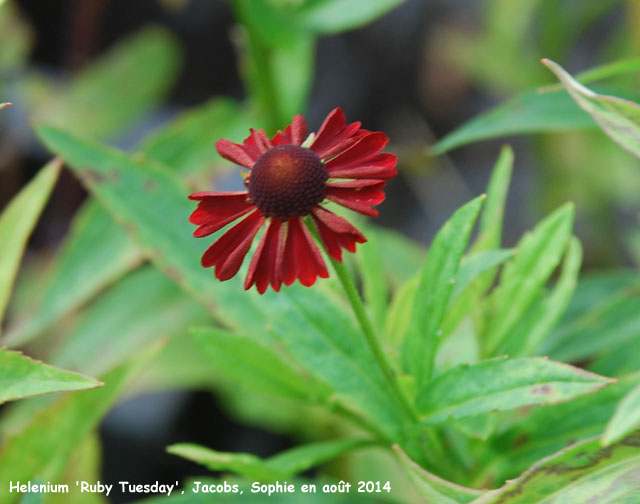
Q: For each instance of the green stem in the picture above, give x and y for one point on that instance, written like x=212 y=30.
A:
x=370 y=334
x=258 y=72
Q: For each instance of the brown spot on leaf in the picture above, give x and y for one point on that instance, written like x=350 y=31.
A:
x=173 y=273
x=93 y=177
x=150 y=185
x=543 y=389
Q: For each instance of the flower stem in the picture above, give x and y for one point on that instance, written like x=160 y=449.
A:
x=370 y=334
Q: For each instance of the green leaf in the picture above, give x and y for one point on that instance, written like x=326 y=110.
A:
x=502 y=384
x=95 y=254
x=435 y=489
x=618 y=118
x=601 y=288
x=153 y=205
x=43 y=447
x=85 y=464
x=608 y=70
x=401 y=256
x=134 y=314
x=292 y=69
x=97 y=251
x=374 y=286
x=473 y=271
x=305 y=322
x=538 y=254
x=541 y=321
x=399 y=313
x=528 y=112
x=17 y=222
x=577 y=474
x=334 y=16
x=434 y=290
x=474 y=265
x=625 y=419
x=491 y=218
x=281 y=466
x=606 y=326
x=22 y=377
x=117 y=90
x=547 y=430
x=252 y=363
x=278 y=63
x=185 y=144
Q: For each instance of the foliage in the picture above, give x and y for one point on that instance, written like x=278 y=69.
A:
x=512 y=379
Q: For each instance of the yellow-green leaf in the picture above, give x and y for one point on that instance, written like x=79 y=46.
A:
x=22 y=377
x=618 y=118
x=625 y=419
x=502 y=384
x=17 y=222
x=280 y=466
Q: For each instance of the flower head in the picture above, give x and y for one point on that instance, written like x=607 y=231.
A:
x=286 y=186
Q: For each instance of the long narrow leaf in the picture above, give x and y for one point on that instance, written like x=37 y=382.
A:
x=492 y=216
x=433 y=488
x=373 y=279
x=252 y=363
x=577 y=474
x=17 y=222
x=45 y=444
x=22 y=377
x=625 y=419
x=618 y=118
x=530 y=336
x=502 y=384
x=544 y=431
x=95 y=254
x=97 y=251
x=284 y=465
x=539 y=252
x=111 y=94
x=434 y=290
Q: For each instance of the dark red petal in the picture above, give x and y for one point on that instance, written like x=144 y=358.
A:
x=364 y=149
x=336 y=233
x=263 y=269
x=217 y=210
x=261 y=140
x=301 y=258
x=200 y=195
x=350 y=135
x=235 y=153
x=228 y=252
x=253 y=146
x=358 y=199
x=294 y=134
x=221 y=221
x=332 y=126
x=380 y=167
x=297 y=131
x=356 y=184
x=333 y=134
x=281 y=138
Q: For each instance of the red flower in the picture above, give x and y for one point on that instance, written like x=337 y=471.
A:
x=287 y=182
